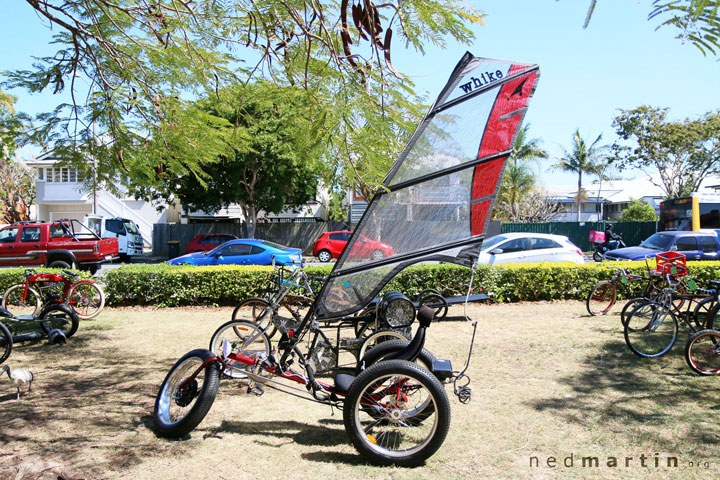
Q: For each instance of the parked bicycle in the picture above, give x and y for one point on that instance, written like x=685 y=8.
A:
x=57 y=322
x=702 y=352
x=651 y=329
x=39 y=290
x=603 y=295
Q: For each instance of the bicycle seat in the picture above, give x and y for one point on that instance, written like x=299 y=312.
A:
x=5 y=313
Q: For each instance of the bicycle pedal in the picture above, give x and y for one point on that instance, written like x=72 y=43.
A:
x=256 y=390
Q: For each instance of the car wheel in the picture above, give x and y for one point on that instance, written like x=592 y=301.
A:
x=324 y=256
x=377 y=255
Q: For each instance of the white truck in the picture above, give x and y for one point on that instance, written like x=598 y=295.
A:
x=126 y=231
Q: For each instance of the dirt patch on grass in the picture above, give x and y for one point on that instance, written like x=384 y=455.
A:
x=548 y=381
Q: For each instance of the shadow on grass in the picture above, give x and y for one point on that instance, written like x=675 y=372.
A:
x=632 y=396
x=84 y=397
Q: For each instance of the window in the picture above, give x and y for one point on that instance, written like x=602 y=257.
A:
x=685 y=244
x=708 y=244
x=338 y=236
x=236 y=250
x=30 y=234
x=60 y=175
x=256 y=250
x=40 y=173
x=8 y=235
x=115 y=226
x=516 y=245
x=541 y=243
x=57 y=231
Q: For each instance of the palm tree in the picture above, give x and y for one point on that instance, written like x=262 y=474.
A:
x=519 y=178
x=583 y=158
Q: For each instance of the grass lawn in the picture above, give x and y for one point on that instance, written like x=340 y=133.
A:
x=548 y=382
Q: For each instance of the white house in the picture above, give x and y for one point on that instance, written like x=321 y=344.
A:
x=60 y=193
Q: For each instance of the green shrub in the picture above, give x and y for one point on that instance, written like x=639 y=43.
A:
x=170 y=286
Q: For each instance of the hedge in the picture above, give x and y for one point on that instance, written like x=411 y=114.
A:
x=163 y=285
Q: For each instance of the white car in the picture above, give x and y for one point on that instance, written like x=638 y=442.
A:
x=529 y=247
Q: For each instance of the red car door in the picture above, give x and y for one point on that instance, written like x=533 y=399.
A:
x=28 y=245
x=337 y=242
x=8 y=250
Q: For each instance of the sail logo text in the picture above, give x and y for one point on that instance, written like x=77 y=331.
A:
x=485 y=78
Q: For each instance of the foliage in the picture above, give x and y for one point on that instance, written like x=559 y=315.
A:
x=582 y=158
x=683 y=153
x=17 y=184
x=638 y=211
x=534 y=206
x=132 y=67
x=266 y=148
x=337 y=212
x=696 y=21
x=166 y=286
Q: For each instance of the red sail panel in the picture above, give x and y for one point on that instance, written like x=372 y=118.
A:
x=499 y=134
x=479 y=215
x=485 y=178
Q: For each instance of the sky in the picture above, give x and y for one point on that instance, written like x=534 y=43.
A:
x=619 y=62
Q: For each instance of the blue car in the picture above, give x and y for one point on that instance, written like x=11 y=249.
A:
x=242 y=252
x=694 y=245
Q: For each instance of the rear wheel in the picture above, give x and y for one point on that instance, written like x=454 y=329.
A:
x=182 y=402
x=651 y=330
x=22 y=301
x=704 y=313
x=702 y=352
x=62 y=264
x=256 y=310
x=244 y=338
x=629 y=306
x=6 y=343
x=86 y=298
x=377 y=338
x=598 y=257
x=324 y=256
x=385 y=349
x=601 y=298
x=397 y=413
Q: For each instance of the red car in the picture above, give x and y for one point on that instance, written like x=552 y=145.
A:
x=207 y=241
x=331 y=244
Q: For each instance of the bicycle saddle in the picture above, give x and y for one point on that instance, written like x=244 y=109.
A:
x=5 y=313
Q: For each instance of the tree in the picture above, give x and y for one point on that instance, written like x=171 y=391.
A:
x=518 y=178
x=581 y=159
x=533 y=206
x=145 y=62
x=682 y=153
x=17 y=184
x=266 y=148
x=696 y=21
x=638 y=211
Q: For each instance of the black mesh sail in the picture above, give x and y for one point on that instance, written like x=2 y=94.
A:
x=441 y=189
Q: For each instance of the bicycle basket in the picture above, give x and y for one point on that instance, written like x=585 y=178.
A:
x=671 y=263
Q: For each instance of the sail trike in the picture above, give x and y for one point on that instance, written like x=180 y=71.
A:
x=435 y=206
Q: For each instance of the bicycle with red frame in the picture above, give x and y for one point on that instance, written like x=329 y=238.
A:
x=39 y=290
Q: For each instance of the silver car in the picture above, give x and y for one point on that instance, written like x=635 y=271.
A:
x=529 y=248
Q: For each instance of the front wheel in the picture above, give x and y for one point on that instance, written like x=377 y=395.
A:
x=86 y=298
x=184 y=400
x=258 y=311
x=702 y=352
x=244 y=338
x=601 y=298
x=379 y=337
x=324 y=256
x=651 y=330
x=397 y=413
x=6 y=343
x=629 y=306
x=20 y=300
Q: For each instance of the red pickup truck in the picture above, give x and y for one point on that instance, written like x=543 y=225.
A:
x=61 y=244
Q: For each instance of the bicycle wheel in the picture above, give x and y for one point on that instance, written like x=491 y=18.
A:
x=21 y=301
x=6 y=343
x=704 y=313
x=244 y=338
x=702 y=352
x=383 y=409
x=181 y=404
x=601 y=298
x=256 y=310
x=60 y=317
x=628 y=307
x=651 y=330
x=86 y=298
x=379 y=337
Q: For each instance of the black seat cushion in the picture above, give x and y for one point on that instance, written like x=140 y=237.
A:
x=343 y=382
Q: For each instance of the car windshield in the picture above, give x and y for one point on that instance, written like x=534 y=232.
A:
x=130 y=225
x=492 y=241
x=658 y=241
